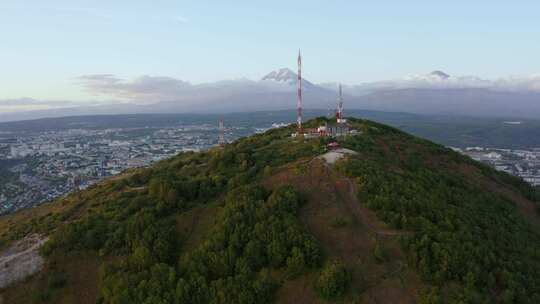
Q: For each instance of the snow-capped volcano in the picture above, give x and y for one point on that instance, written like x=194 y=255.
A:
x=281 y=75
x=286 y=79
x=439 y=75
x=439 y=79
x=435 y=76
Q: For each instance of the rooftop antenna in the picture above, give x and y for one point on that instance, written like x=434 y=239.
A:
x=299 y=95
x=221 y=141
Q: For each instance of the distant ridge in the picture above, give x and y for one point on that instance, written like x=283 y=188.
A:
x=435 y=93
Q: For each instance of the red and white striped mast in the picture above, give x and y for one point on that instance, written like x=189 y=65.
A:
x=340 y=105
x=299 y=95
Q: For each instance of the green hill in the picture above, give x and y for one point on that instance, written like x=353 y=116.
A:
x=401 y=220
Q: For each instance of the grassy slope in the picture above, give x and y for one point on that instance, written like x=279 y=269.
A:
x=348 y=232
x=340 y=221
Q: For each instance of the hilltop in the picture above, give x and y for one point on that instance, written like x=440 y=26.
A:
x=392 y=219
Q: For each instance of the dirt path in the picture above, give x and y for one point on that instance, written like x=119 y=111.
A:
x=368 y=216
x=21 y=259
x=347 y=231
x=365 y=215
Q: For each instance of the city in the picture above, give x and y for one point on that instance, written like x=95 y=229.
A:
x=41 y=166
x=522 y=163
x=269 y=152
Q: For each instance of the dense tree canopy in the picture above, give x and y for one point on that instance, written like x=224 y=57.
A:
x=461 y=232
x=469 y=244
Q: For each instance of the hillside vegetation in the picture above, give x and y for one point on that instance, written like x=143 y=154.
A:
x=264 y=220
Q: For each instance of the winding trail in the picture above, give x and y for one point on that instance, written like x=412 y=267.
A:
x=366 y=216
x=331 y=196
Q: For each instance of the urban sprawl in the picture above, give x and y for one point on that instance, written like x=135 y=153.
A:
x=522 y=163
x=42 y=166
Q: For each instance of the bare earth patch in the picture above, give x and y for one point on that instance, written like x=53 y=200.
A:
x=21 y=259
x=335 y=155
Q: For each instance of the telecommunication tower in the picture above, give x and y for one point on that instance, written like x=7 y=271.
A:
x=299 y=95
x=339 y=112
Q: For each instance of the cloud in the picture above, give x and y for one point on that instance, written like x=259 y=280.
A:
x=527 y=83
x=145 y=89
x=181 y=19
x=523 y=83
x=34 y=102
x=30 y=104
x=436 y=80
x=92 y=12
x=154 y=89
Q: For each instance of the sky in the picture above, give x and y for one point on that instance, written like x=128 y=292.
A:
x=48 y=49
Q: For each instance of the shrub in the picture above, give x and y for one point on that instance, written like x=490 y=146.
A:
x=296 y=264
x=333 y=281
x=340 y=222
x=430 y=296
x=42 y=296
x=56 y=280
x=378 y=252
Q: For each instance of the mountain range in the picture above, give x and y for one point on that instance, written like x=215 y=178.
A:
x=434 y=93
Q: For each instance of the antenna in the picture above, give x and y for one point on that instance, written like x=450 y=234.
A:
x=221 y=141
x=339 y=114
x=299 y=95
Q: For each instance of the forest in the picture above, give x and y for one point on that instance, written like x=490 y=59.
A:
x=467 y=243
x=462 y=233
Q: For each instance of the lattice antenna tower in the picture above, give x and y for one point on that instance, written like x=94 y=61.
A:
x=339 y=114
x=299 y=95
